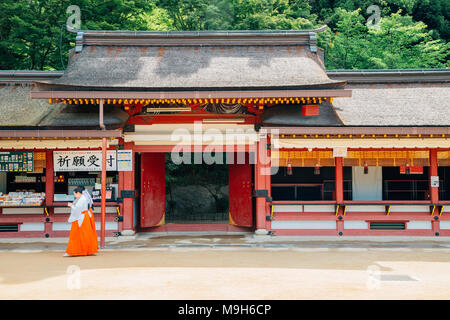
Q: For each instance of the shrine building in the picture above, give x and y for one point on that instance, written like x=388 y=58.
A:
x=300 y=150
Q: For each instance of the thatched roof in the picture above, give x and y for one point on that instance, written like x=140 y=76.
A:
x=381 y=98
x=415 y=104
x=17 y=109
x=196 y=60
x=84 y=116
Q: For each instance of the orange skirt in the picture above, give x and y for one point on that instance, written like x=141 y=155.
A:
x=82 y=239
x=94 y=230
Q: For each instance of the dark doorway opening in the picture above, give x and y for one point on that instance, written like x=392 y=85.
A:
x=196 y=193
x=304 y=184
x=444 y=183
x=401 y=186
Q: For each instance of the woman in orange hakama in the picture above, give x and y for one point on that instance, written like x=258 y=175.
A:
x=83 y=237
x=91 y=215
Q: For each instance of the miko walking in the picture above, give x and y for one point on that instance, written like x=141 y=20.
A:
x=83 y=239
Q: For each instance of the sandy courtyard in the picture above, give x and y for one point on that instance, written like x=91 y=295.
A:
x=228 y=272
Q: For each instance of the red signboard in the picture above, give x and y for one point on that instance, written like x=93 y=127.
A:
x=310 y=110
x=412 y=169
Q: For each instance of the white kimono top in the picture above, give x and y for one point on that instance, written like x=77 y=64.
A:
x=79 y=205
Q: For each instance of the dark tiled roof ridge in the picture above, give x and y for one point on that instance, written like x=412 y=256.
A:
x=229 y=33
x=27 y=76
x=196 y=38
x=390 y=75
x=388 y=70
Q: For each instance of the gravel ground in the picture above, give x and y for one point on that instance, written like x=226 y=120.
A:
x=227 y=267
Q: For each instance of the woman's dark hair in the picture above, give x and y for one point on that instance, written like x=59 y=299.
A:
x=79 y=189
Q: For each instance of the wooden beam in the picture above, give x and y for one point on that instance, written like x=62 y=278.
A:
x=236 y=94
x=339 y=185
x=60 y=134
x=434 y=191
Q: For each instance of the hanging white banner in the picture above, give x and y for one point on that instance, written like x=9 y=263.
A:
x=83 y=160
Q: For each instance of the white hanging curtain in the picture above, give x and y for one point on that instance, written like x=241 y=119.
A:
x=367 y=187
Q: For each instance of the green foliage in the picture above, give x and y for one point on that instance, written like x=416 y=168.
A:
x=273 y=14
x=435 y=14
x=30 y=30
x=398 y=42
x=238 y=14
x=411 y=33
x=409 y=44
x=346 y=47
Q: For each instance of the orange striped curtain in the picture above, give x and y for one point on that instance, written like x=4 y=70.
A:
x=444 y=158
x=359 y=158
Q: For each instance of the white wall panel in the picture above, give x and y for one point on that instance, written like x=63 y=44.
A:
x=287 y=208
x=355 y=224
x=32 y=226
x=418 y=225
x=319 y=208
x=304 y=224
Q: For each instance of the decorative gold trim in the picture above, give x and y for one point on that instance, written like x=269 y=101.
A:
x=162 y=221
x=230 y=219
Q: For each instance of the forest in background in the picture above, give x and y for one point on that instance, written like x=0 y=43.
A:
x=408 y=34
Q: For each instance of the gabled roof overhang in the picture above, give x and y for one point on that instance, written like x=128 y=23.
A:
x=202 y=65
x=161 y=95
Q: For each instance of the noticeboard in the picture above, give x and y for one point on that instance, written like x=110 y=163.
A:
x=434 y=181
x=83 y=160
x=339 y=152
x=124 y=160
x=16 y=161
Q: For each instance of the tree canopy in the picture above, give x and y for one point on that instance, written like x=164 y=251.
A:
x=407 y=33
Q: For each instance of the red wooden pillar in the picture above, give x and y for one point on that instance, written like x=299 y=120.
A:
x=119 y=192
x=434 y=191
x=49 y=191
x=128 y=183
x=49 y=178
x=262 y=182
x=340 y=226
x=268 y=181
x=339 y=179
x=436 y=226
x=103 y=193
x=339 y=191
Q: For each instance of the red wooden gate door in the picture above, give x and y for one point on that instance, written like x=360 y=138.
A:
x=153 y=189
x=240 y=194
